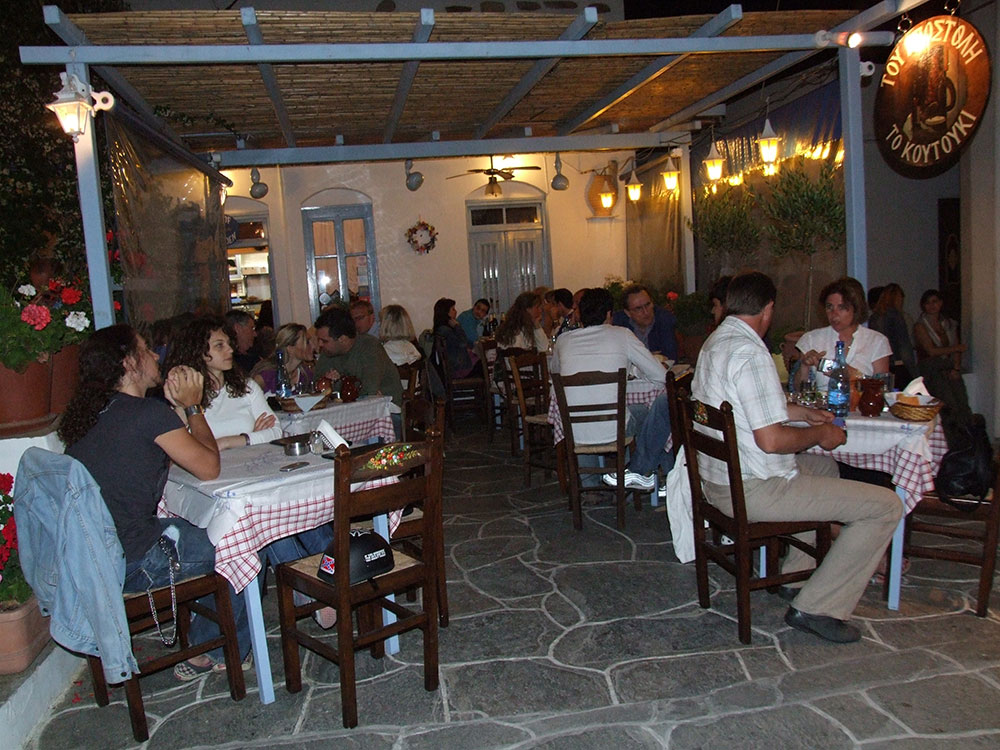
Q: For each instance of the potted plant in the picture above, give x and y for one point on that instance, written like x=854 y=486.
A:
x=726 y=226
x=34 y=326
x=807 y=217
x=23 y=630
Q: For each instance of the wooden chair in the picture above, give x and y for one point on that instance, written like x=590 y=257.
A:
x=368 y=597
x=971 y=521
x=735 y=554
x=528 y=378
x=591 y=413
x=138 y=615
x=470 y=392
x=419 y=417
x=488 y=351
x=508 y=406
x=413 y=375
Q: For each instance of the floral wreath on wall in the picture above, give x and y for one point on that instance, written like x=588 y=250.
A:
x=422 y=237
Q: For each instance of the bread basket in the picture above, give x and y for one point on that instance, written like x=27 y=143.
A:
x=915 y=412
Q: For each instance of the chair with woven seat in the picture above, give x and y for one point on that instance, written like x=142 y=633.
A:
x=420 y=416
x=53 y=485
x=528 y=382
x=962 y=518
x=368 y=598
x=580 y=410
x=470 y=392
x=735 y=553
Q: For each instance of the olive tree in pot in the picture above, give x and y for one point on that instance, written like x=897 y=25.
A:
x=726 y=226
x=806 y=216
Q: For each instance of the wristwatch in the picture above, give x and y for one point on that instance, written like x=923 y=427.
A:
x=190 y=411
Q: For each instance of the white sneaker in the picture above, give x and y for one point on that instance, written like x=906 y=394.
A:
x=662 y=492
x=633 y=481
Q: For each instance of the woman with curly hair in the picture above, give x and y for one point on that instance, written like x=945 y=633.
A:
x=293 y=340
x=235 y=407
x=521 y=327
x=126 y=442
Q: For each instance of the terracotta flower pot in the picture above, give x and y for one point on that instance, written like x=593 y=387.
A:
x=23 y=633
x=25 y=398
x=65 y=369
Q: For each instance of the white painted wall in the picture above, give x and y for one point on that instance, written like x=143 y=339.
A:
x=584 y=250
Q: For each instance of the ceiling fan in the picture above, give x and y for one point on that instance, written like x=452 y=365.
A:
x=493 y=186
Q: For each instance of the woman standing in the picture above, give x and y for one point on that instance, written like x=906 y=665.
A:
x=867 y=352
x=939 y=353
x=235 y=407
x=521 y=328
x=888 y=318
x=293 y=340
x=126 y=442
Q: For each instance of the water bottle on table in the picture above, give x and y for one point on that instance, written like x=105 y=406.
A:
x=838 y=393
x=283 y=385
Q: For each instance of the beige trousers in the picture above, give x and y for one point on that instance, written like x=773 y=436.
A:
x=869 y=515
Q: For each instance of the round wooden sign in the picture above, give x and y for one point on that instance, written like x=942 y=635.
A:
x=932 y=96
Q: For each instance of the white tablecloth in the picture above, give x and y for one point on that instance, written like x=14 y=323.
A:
x=360 y=420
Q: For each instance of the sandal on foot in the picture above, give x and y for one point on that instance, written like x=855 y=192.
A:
x=185 y=671
x=246 y=665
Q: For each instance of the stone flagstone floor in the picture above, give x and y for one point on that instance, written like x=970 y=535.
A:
x=594 y=639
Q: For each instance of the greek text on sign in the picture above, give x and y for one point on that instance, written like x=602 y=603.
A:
x=932 y=96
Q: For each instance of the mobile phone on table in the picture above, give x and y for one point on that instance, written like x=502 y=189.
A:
x=294 y=466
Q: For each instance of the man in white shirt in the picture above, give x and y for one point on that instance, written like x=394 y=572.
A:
x=734 y=365
x=603 y=347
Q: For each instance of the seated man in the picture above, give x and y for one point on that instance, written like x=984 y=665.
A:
x=560 y=304
x=473 y=320
x=363 y=314
x=652 y=325
x=735 y=366
x=606 y=348
x=246 y=332
x=343 y=351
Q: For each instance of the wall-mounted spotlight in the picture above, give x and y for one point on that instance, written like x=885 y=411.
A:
x=413 y=179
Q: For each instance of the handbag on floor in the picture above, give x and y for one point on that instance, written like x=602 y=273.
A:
x=967 y=468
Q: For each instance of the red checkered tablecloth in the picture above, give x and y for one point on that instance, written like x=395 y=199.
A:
x=360 y=420
x=911 y=471
x=636 y=392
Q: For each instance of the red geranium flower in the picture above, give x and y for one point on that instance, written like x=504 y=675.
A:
x=118 y=305
x=6 y=483
x=55 y=285
x=672 y=296
x=71 y=296
x=37 y=316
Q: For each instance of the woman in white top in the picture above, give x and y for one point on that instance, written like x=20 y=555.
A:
x=521 y=327
x=397 y=335
x=867 y=352
x=235 y=407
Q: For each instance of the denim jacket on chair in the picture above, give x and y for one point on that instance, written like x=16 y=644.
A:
x=72 y=558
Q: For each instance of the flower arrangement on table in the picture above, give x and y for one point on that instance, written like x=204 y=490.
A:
x=422 y=237
x=14 y=590
x=35 y=324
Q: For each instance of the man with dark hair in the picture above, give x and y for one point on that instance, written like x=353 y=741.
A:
x=243 y=326
x=560 y=303
x=735 y=366
x=652 y=325
x=343 y=351
x=607 y=348
x=472 y=320
x=717 y=298
x=363 y=315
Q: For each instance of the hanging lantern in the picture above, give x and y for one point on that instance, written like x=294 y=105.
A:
x=713 y=163
x=768 y=143
x=634 y=188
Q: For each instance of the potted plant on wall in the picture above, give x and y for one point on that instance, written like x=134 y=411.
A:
x=806 y=216
x=23 y=630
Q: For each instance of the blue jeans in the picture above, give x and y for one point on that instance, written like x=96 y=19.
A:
x=651 y=437
x=300 y=545
x=196 y=555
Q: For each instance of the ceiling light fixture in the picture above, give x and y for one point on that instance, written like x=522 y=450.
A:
x=560 y=181
x=492 y=188
x=768 y=143
x=258 y=189
x=714 y=161
x=413 y=179
x=634 y=188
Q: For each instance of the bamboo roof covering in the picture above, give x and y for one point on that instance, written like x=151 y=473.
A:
x=203 y=103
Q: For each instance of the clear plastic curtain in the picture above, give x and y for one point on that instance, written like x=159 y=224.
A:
x=169 y=226
x=654 y=236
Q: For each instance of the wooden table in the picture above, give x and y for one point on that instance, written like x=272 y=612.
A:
x=250 y=505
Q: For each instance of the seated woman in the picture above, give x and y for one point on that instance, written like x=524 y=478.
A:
x=939 y=353
x=395 y=330
x=293 y=340
x=521 y=327
x=447 y=328
x=235 y=407
x=867 y=351
x=126 y=442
